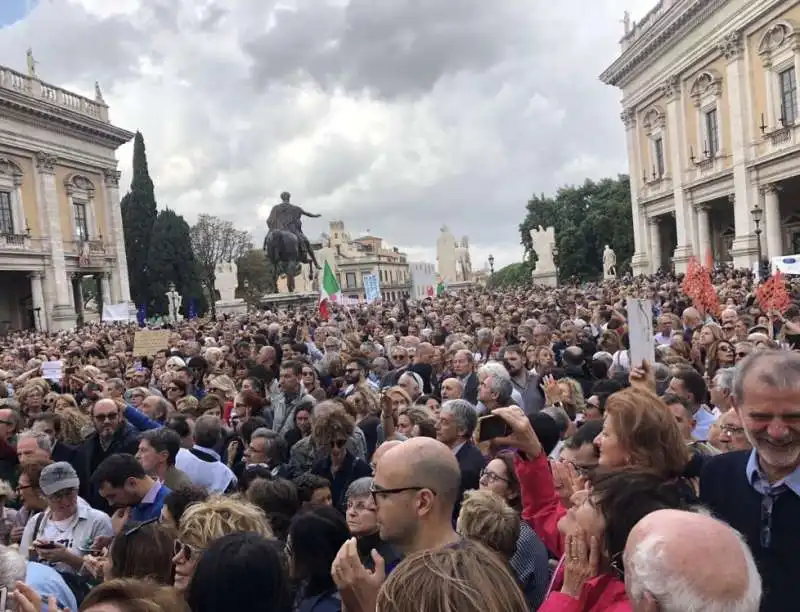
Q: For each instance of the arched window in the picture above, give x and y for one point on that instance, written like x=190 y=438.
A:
x=706 y=91
x=779 y=54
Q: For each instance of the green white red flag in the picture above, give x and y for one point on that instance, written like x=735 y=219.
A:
x=329 y=291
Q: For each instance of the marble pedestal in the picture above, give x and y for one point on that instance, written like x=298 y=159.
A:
x=230 y=307
x=547 y=278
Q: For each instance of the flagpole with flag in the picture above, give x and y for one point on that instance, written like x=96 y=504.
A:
x=329 y=291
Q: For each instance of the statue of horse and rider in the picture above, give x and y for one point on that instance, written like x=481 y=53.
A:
x=285 y=244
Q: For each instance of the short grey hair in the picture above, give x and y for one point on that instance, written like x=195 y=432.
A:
x=495 y=369
x=263 y=432
x=483 y=334
x=648 y=570
x=13 y=568
x=360 y=487
x=464 y=413
x=777 y=369
x=503 y=388
x=724 y=378
x=42 y=439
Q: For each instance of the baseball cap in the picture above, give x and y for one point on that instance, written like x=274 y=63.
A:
x=57 y=477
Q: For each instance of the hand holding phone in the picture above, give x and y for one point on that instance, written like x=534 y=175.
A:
x=491 y=427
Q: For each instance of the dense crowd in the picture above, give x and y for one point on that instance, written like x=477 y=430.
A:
x=482 y=451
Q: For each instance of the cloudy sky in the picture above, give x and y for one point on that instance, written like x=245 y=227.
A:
x=396 y=116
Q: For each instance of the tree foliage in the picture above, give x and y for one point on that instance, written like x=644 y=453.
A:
x=171 y=261
x=510 y=276
x=585 y=218
x=257 y=272
x=138 y=216
x=215 y=241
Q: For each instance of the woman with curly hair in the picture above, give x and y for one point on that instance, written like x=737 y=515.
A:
x=75 y=425
x=330 y=432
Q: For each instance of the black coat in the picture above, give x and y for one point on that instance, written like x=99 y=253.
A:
x=471 y=389
x=471 y=462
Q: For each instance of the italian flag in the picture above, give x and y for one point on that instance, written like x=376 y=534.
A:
x=440 y=288
x=329 y=291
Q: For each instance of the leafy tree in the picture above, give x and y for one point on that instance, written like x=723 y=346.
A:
x=510 y=276
x=171 y=261
x=585 y=218
x=138 y=216
x=215 y=241
x=256 y=275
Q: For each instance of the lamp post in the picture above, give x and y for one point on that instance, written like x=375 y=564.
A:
x=554 y=251
x=758 y=215
x=491 y=265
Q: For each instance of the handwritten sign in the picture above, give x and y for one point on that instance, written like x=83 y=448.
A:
x=52 y=370
x=147 y=343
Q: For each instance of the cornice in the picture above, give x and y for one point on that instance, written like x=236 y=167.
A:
x=677 y=21
x=62 y=120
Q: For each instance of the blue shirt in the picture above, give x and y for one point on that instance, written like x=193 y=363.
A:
x=760 y=483
x=47 y=582
x=150 y=507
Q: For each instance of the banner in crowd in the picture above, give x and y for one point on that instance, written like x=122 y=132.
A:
x=116 y=312
x=372 y=287
x=147 y=343
x=788 y=264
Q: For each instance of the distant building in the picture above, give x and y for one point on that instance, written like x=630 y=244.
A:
x=452 y=256
x=423 y=279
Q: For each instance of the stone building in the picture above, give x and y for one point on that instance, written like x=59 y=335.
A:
x=423 y=279
x=711 y=114
x=60 y=217
x=452 y=256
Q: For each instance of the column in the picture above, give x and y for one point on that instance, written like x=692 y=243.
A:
x=122 y=289
x=105 y=288
x=639 y=261
x=63 y=316
x=20 y=223
x=655 y=243
x=703 y=233
x=37 y=298
x=683 y=222
x=772 y=221
x=79 y=299
x=744 y=250
x=91 y=218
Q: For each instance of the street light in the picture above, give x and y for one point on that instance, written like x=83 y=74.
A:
x=491 y=265
x=554 y=251
x=758 y=215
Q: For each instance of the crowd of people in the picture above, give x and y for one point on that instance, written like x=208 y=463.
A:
x=481 y=451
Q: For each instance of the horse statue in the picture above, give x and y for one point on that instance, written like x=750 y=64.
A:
x=285 y=244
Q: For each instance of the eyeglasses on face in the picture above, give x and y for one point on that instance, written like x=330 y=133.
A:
x=732 y=430
x=187 y=551
x=492 y=476
x=378 y=492
x=338 y=443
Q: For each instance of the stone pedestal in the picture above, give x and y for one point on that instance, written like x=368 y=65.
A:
x=680 y=259
x=547 y=278
x=640 y=264
x=63 y=318
x=230 y=307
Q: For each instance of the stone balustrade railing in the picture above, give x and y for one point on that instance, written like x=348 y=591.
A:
x=645 y=23
x=34 y=88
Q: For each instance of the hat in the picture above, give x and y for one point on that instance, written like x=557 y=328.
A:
x=57 y=477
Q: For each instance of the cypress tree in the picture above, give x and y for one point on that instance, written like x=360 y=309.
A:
x=171 y=260
x=138 y=216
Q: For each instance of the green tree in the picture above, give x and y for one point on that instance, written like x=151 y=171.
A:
x=171 y=261
x=139 y=213
x=511 y=276
x=585 y=218
x=256 y=276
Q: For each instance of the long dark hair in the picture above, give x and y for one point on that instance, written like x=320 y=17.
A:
x=241 y=571
x=315 y=536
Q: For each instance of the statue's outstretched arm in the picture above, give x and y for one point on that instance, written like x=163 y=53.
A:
x=308 y=214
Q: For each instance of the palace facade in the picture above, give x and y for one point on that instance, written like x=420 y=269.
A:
x=710 y=108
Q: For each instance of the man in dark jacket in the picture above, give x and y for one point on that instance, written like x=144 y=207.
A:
x=112 y=434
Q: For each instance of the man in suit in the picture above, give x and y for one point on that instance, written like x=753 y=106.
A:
x=456 y=424
x=464 y=369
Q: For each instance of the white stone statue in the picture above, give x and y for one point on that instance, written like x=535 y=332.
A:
x=609 y=264
x=543 y=240
x=31 y=64
x=174 y=301
x=226 y=281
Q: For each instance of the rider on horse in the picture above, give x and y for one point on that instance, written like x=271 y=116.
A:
x=288 y=217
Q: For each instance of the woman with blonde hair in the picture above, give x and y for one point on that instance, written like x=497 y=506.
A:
x=75 y=425
x=467 y=578
x=204 y=522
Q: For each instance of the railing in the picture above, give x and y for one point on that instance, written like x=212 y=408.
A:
x=645 y=23
x=34 y=88
x=85 y=247
x=780 y=136
x=19 y=242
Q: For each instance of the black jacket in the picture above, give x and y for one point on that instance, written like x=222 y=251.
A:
x=471 y=461
x=471 y=389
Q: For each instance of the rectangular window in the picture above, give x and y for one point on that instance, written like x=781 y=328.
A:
x=350 y=279
x=788 y=84
x=6 y=217
x=658 y=150
x=712 y=133
x=81 y=227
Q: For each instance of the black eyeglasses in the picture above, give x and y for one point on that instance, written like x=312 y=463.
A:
x=377 y=491
x=105 y=417
x=339 y=443
x=187 y=551
x=492 y=476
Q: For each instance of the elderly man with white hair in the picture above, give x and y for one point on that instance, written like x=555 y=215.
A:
x=497 y=370
x=678 y=561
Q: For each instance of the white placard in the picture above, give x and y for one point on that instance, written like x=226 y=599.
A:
x=116 y=312
x=640 y=332
x=52 y=370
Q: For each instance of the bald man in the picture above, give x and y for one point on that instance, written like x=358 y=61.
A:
x=417 y=484
x=452 y=389
x=382 y=450
x=676 y=561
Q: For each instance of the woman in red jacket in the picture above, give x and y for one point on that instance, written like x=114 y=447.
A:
x=590 y=537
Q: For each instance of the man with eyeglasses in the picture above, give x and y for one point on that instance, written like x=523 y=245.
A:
x=757 y=492
x=112 y=434
x=415 y=488
x=400 y=362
